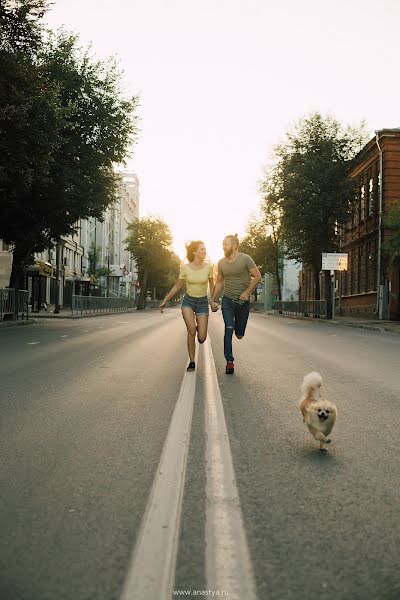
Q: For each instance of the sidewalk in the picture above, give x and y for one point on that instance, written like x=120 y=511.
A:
x=357 y=322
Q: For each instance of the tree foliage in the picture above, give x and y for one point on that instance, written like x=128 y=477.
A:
x=20 y=25
x=310 y=188
x=64 y=123
x=391 y=244
x=149 y=242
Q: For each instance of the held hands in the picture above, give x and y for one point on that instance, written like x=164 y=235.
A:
x=214 y=306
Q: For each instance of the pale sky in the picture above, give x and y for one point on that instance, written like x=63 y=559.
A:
x=222 y=80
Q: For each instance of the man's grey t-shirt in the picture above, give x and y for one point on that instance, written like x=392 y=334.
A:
x=236 y=275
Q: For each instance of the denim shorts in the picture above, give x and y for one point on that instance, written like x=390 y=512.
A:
x=198 y=305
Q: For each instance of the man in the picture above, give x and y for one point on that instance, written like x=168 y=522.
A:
x=238 y=276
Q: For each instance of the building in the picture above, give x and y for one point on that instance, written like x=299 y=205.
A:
x=109 y=238
x=5 y=264
x=370 y=286
x=41 y=275
x=289 y=276
x=290 y=280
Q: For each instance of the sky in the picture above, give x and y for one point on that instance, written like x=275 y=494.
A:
x=221 y=81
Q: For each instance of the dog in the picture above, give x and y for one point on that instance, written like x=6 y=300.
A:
x=318 y=414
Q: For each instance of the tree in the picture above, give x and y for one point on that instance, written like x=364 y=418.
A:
x=20 y=25
x=30 y=119
x=312 y=188
x=94 y=256
x=263 y=241
x=391 y=245
x=165 y=277
x=93 y=128
x=149 y=242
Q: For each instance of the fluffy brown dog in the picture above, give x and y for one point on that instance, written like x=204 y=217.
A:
x=318 y=414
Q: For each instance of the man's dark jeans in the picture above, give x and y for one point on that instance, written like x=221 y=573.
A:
x=235 y=318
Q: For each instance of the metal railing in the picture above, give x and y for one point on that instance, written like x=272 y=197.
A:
x=13 y=304
x=304 y=308
x=86 y=305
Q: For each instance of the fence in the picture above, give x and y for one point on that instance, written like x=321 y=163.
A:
x=13 y=304
x=86 y=305
x=305 y=308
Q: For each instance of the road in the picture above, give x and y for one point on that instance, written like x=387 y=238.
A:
x=89 y=406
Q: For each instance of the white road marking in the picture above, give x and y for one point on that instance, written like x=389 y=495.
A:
x=32 y=343
x=64 y=336
x=151 y=572
x=228 y=565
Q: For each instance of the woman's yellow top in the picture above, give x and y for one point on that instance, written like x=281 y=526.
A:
x=196 y=280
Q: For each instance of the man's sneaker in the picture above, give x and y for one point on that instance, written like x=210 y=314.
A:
x=230 y=368
x=191 y=366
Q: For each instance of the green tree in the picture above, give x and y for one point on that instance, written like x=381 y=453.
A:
x=21 y=25
x=391 y=244
x=312 y=188
x=149 y=242
x=94 y=257
x=93 y=129
x=164 y=277
x=263 y=241
x=30 y=119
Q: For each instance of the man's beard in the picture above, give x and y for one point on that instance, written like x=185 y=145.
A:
x=228 y=253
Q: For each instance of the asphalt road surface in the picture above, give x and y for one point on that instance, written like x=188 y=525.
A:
x=122 y=477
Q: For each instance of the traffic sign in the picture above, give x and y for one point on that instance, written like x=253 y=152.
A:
x=334 y=261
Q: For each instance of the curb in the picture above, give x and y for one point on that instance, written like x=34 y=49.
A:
x=5 y=324
x=106 y=314
x=69 y=316
x=382 y=329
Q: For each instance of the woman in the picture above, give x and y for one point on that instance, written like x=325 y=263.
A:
x=198 y=275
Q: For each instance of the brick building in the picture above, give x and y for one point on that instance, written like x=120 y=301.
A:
x=356 y=288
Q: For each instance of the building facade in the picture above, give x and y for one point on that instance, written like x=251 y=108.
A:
x=107 y=236
x=371 y=284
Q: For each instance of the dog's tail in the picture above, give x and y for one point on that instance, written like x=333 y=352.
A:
x=310 y=386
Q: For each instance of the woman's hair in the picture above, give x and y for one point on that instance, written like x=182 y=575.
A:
x=191 y=248
x=234 y=238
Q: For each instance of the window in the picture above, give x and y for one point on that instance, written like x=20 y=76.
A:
x=368 y=269
x=354 y=213
x=362 y=204
x=359 y=274
x=370 y=204
x=378 y=188
x=352 y=256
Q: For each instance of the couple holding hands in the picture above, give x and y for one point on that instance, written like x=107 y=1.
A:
x=237 y=277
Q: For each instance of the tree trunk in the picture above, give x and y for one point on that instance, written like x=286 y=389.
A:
x=279 y=284
x=17 y=279
x=317 y=286
x=143 y=292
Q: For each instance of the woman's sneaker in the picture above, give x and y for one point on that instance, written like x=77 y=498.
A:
x=191 y=366
x=230 y=368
